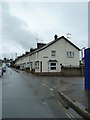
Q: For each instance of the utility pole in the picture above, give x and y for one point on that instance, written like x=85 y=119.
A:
x=82 y=56
x=15 y=55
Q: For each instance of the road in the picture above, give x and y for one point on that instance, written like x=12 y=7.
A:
x=25 y=95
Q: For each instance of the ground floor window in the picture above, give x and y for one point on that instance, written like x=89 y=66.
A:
x=31 y=65
x=28 y=64
x=24 y=65
x=52 y=65
x=37 y=65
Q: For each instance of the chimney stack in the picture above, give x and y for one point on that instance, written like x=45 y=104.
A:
x=55 y=37
x=39 y=45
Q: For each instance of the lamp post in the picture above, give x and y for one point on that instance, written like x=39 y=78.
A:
x=82 y=52
x=82 y=56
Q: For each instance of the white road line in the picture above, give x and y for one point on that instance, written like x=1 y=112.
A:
x=63 y=108
x=43 y=84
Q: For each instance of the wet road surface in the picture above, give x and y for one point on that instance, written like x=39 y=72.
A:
x=28 y=96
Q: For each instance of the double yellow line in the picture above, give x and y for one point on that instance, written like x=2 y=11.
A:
x=63 y=108
x=67 y=113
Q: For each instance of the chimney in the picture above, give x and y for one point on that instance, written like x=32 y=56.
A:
x=39 y=45
x=26 y=52
x=32 y=49
x=55 y=37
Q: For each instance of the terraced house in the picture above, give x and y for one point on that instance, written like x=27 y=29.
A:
x=49 y=58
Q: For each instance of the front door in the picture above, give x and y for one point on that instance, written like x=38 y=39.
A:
x=41 y=66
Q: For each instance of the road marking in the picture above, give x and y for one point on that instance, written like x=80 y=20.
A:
x=67 y=113
x=63 y=108
x=43 y=84
x=52 y=91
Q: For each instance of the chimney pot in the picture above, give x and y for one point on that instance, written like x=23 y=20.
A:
x=55 y=37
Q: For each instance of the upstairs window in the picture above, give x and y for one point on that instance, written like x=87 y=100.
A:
x=70 y=54
x=53 y=53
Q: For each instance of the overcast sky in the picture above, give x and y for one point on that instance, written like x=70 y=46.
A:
x=25 y=24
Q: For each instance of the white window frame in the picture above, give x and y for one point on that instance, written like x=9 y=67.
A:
x=31 y=65
x=70 y=54
x=24 y=65
x=37 y=65
x=28 y=64
x=52 y=66
x=53 y=53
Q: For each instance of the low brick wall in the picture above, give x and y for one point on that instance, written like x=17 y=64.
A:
x=65 y=71
x=27 y=70
x=48 y=73
x=72 y=71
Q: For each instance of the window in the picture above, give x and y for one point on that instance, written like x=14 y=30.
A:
x=37 y=65
x=70 y=54
x=52 y=66
x=53 y=53
x=31 y=64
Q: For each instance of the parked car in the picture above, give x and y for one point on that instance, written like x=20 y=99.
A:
x=1 y=71
x=4 y=69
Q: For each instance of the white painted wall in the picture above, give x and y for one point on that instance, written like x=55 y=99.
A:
x=61 y=47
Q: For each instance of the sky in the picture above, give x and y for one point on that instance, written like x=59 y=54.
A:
x=26 y=23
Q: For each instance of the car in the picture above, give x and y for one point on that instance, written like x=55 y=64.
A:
x=4 y=69
x=1 y=71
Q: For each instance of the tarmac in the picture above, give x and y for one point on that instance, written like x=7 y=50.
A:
x=72 y=88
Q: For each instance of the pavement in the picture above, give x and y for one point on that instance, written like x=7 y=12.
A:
x=41 y=88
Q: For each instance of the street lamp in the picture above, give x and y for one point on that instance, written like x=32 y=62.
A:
x=82 y=53
x=82 y=56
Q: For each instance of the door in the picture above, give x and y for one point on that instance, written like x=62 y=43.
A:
x=41 y=66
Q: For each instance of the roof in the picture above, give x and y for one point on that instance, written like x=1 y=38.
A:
x=52 y=61
x=52 y=42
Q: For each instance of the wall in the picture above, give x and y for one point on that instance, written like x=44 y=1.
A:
x=61 y=48
x=72 y=71
x=65 y=72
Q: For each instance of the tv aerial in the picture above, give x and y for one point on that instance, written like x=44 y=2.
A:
x=68 y=35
